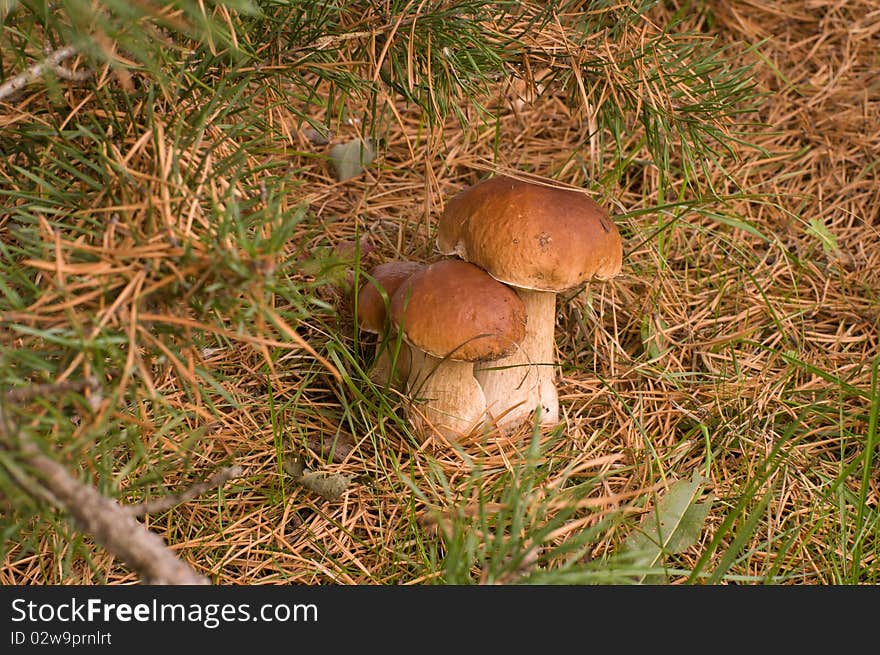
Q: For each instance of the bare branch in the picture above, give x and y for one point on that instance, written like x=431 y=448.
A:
x=165 y=503
x=72 y=76
x=52 y=62
x=27 y=393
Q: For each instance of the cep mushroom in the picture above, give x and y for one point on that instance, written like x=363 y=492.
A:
x=393 y=357
x=453 y=314
x=540 y=240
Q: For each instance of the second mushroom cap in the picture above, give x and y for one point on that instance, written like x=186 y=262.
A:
x=389 y=276
x=454 y=309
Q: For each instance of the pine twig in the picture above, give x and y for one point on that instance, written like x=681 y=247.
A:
x=165 y=503
x=109 y=523
x=52 y=62
x=113 y=526
x=35 y=390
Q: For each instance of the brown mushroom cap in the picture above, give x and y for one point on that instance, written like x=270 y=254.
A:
x=454 y=309
x=529 y=235
x=370 y=303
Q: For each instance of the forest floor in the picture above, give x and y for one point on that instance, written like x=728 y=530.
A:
x=737 y=345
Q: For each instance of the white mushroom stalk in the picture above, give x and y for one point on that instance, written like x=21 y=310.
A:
x=517 y=384
x=444 y=396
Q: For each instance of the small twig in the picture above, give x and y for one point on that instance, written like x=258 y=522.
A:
x=52 y=62
x=165 y=503
x=72 y=76
x=35 y=390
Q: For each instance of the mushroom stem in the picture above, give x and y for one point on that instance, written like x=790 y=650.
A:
x=516 y=385
x=444 y=395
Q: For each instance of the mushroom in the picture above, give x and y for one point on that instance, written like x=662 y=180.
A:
x=453 y=314
x=540 y=240
x=392 y=357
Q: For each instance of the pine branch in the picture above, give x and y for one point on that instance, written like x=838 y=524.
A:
x=165 y=503
x=23 y=394
x=110 y=524
x=53 y=63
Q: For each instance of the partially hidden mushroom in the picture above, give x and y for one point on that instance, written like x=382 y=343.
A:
x=540 y=240
x=452 y=314
x=393 y=357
